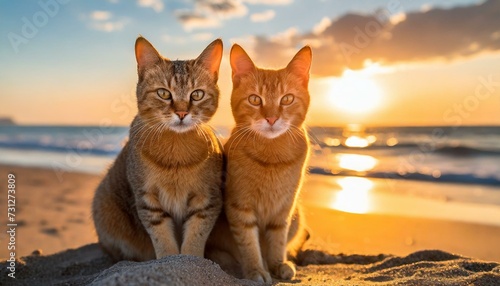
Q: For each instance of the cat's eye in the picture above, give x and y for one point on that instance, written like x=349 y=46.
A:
x=254 y=99
x=287 y=99
x=197 y=94
x=164 y=94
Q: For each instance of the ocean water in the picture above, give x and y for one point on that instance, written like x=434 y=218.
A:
x=469 y=156
x=437 y=154
x=89 y=149
x=443 y=173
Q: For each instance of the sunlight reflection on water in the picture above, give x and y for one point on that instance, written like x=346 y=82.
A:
x=356 y=142
x=354 y=196
x=355 y=162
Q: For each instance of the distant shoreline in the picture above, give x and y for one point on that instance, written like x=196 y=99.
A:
x=7 y=121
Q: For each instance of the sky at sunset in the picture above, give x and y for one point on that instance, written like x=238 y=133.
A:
x=375 y=62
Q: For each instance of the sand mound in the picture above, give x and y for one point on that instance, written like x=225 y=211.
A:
x=173 y=270
x=88 y=265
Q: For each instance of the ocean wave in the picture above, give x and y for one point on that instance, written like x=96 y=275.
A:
x=443 y=178
x=450 y=150
x=466 y=151
x=81 y=147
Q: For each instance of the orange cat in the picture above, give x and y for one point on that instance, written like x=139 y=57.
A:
x=266 y=159
x=162 y=195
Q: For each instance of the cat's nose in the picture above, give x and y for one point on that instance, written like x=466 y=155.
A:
x=181 y=114
x=271 y=120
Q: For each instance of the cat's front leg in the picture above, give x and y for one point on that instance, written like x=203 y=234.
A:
x=159 y=224
x=276 y=238
x=243 y=225
x=202 y=214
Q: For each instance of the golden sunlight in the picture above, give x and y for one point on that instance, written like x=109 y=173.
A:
x=356 y=142
x=354 y=197
x=355 y=162
x=355 y=92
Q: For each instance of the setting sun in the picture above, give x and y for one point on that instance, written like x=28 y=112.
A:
x=355 y=92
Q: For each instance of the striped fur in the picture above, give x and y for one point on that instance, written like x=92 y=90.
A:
x=162 y=195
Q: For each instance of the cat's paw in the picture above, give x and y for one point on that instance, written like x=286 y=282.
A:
x=259 y=275
x=285 y=271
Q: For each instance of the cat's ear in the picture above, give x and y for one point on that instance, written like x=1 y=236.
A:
x=211 y=56
x=301 y=63
x=145 y=54
x=241 y=64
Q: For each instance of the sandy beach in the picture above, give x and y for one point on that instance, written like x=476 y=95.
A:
x=53 y=216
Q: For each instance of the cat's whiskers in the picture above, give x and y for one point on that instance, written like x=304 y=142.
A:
x=312 y=136
x=144 y=124
x=198 y=131
x=145 y=131
x=148 y=132
x=202 y=133
x=140 y=132
x=300 y=132
x=240 y=133
x=240 y=125
x=248 y=132
x=238 y=130
x=212 y=146
x=215 y=133
x=158 y=132
x=134 y=131
x=292 y=135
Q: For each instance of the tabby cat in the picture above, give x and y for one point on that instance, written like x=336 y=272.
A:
x=162 y=195
x=266 y=156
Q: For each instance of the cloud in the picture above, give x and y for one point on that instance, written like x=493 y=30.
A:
x=174 y=39
x=441 y=33
x=263 y=16
x=202 y=37
x=100 y=15
x=104 y=21
x=210 y=13
x=192 y=20
x=108 y=26
x=397 y=18
x=321 y=26
x=269 y=2
x=222 y=8
x=352 y=40
x=426 y=7
x=156 y=5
